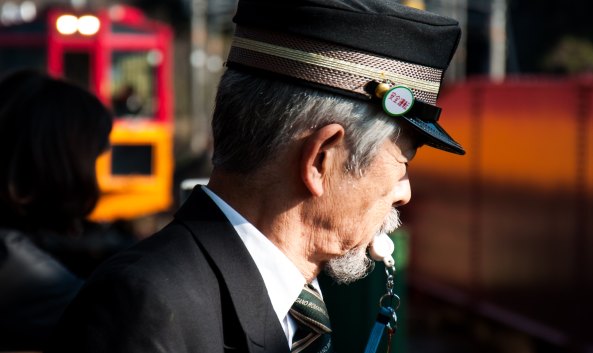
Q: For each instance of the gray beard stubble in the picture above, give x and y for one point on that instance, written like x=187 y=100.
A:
x=356 y=264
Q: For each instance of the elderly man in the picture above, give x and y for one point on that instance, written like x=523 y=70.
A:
x=322 y=107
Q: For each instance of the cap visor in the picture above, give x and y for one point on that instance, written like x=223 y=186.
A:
x=435 y=135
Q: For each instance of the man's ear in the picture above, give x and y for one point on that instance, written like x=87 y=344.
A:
x=319 y=153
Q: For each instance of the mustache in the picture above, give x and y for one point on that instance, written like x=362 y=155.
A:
x=391 y=222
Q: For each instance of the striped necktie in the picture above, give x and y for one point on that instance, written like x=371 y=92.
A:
x=313 y=331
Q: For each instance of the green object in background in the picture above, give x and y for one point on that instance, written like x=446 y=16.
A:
x=353 y=308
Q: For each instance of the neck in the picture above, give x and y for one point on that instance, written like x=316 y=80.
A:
x=275 y=209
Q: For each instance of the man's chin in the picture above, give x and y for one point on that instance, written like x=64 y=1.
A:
x=350 y=267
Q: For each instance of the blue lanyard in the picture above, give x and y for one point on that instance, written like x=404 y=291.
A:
x=386 y=318
x=383 y=321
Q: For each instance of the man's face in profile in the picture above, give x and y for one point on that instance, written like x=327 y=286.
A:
x=363 y=206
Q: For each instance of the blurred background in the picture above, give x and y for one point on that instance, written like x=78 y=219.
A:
x=497 y=250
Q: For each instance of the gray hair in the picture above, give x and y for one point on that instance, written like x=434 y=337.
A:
x=256 y=116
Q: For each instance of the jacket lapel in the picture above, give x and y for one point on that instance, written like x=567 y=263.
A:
x=212 y=230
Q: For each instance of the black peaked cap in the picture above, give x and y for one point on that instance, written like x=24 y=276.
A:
x=381 y=27
x=357 y=48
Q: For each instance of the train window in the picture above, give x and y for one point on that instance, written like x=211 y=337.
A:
x=17 y=58
x=123 y=28
x=131 y=159
x=133 y=88
x=77 y=68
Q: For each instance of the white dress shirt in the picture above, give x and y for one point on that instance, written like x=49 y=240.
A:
x=284 y=282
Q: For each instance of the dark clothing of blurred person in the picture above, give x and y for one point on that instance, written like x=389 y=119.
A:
x=51 y=133
x=35 y=289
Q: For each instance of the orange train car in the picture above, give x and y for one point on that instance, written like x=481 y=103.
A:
x=507 y=230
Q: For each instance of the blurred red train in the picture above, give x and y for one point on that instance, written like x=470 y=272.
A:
x=125 y=59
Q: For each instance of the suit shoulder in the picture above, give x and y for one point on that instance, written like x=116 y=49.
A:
x=170 y=256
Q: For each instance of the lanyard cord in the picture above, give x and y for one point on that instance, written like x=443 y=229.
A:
x=386 y=319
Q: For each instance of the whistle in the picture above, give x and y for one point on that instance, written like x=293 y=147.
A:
x=381 y=249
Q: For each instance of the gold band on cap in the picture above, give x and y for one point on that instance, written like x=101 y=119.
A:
x=336 y=64
x=329 y=64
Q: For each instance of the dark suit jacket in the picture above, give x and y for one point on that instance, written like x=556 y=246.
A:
x=192 y=287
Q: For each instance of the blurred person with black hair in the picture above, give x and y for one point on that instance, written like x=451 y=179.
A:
x=51 y=133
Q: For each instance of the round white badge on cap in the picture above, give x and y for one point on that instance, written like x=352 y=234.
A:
x=398 y=101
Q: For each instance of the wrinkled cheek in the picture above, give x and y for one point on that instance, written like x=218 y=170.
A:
x=315 y=216
x=321 y=222
x=360 y=233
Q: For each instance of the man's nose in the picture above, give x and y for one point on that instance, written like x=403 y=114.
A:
x=403 y=192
